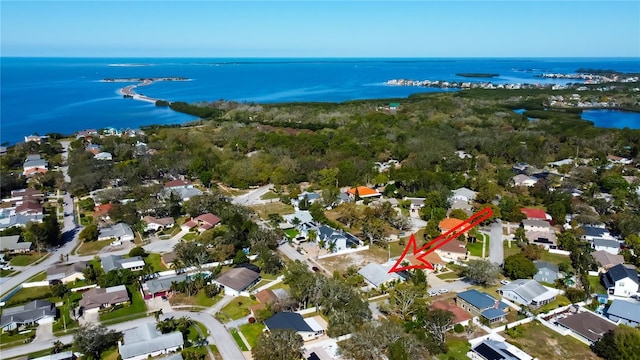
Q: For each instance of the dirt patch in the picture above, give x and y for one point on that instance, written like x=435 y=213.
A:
x=358 y=259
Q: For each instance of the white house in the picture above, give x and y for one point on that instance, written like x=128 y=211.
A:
x=378 y=274
x=103 y=156
x=528 y=292
x=621 y=280
x=306 y=328
x=610 y=246
x=463 y=194
x=524 y=180
x=155 y=224
x=146 y=341
x=536 y=225
x=119 y=232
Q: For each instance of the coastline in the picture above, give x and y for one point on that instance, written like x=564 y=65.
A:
x=128 y=91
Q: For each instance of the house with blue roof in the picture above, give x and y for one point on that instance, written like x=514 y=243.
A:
x=624 y=312
x=595 y=232
x=483 y=305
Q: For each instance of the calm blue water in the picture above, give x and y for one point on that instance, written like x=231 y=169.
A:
x=613 y=118
x=65 y=94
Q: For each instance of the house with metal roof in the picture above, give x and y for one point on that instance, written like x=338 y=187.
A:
x=101 y=298
x=610 y=246
x=378 y=274
x=118 y=232
x=621 y=280
x=117 y=262
x=547 y=272
x=482 y=304
x=161 y=286
x=12 y=244
x=146 y=341
x=308 y=329
x=624 y=312
x=66 y=273
x=237 y=280
x=591 y=233
x=463 y=194
x=35 y=312
x=528 y=292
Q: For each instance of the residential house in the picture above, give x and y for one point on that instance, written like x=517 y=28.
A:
x=66 y=273
x=120 y=232
x=13 y=245
x=482 y=304
x=450 y=223
x=293 y=321
x=298 y=217
x=528 y=292
x=87 y=133
x=596 y=232
x=310 y=197
x=459 y=315
x=547 y=272
x=619 y=160
x=362 y=192
x=621 y=280
x=624 y=312
x=34 y=165
x=117 y=262
x=35 y=138
x=495 y=347
x=587 y=325
x=202 y=223
x=606 y=260
x=415 y=203
x=548 y=240
x=524 y=180
x=145 y=341
x=610 y=246
x=161 y=286
x=463 y=194
x=101 y=298
x=95 y=149
x=559 y=163
x=335 y=240
x=155 y=224
x=237 y=280
x=432 y=258
x=378 y=274
x=264 y=297
x=65 y=355
x=27 y=193
x=535 y=214
x=453 y=250
x=101 y=212
x=34 y=312
x=183 y=190
x=103 y=156
x=168 y=259
x=13 y=220
x=29 y=207
x=536 y=225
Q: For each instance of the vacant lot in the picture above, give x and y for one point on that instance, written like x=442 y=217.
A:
x=529 y=337
x=93 y=247
x=274 y=208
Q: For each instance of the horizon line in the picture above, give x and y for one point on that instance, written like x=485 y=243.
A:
x=320 y=57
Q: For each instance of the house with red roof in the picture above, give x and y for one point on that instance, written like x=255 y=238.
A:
x=363 y=192
x=177 y=184
x=102 y=211
x=460 y=316
x=535 y=214
x=203 y=222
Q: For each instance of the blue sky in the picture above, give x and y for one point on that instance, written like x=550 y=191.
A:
x=320 y=28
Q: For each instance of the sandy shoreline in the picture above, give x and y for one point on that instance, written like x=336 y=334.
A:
x=129 y=90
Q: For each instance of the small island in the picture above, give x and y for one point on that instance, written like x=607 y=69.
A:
x=140 y=79
x=128 y=92
x=478 y=75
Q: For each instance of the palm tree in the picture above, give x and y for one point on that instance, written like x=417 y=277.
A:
x=177 y=266
x=167 y=325
x=312 y=235
x=156 y=314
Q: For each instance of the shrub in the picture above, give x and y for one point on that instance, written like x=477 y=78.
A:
x=252 y=320
x=458 y=328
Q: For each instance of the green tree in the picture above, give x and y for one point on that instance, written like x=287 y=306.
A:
x=240 y=258
x=59 y=290
x=458 y=214
x=138 y=251
x=621 y=343
x=278 y=345
x=89 y=233
x=92 y=340
x=482 y=272
x=518 y=266
x=52 y=227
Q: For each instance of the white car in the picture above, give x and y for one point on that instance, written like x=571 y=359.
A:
x=433 y=293
x=7 y=267
x=443 y=291
x=505 y=282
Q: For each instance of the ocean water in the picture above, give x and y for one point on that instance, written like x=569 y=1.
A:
x=42 y=95
x=617 y=119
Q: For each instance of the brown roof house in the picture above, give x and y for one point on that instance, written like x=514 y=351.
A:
x=588 y=326
x=237 y=280
x=168 y=259
x=155 y=224
x=66 y=273
x=460 y=316
x=265 y=297
x=452 y=250
x=203 y=222
x=99 y=298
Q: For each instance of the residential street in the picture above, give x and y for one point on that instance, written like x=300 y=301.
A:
x=496 y=250
x=252 y=197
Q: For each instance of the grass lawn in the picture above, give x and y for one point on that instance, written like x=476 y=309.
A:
x=59 y=325
x=111 y=354
x=269 y=195
x=125 y=313
x=238 y=340
x=251 y=332
x=508 y=251
x=189 y=236
x=274 y=208
x=291 y=233
x=596 y=285
x=92 y=247
x=7 y=341
x=449 y=275
x=7 y=273
x=238 y=308
x=24 y=260
x=199 y=299
x=475 y=249
x=458 y=348
x=34 y=355
x=27 y=294
x=556 y=347
x=154 y=260
x=556 y=259
x=560 y=301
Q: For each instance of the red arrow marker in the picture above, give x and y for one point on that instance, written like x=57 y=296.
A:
x=438 y=242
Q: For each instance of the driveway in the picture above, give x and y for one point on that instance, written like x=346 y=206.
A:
x=44 y=332
x=496 y=250
x=164 y=246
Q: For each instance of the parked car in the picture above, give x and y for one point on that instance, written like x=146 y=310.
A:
x=7 y=267
x=443 y=291
x=433 y=293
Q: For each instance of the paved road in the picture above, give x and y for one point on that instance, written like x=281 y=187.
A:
x=496 y=250
x=253 y=197
x=163 y=246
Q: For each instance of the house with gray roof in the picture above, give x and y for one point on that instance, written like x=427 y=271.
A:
x=161 y=286
x=35 y=312
x=119 y=232
x=66 y=273
x=117 y=262
x=624 y=312
x=606 y=260
x=378 y=274
x=482 y=304
x=591 y=233
x=610 y=246
x=13 y=245
x=146 y=341
x=621 y=280
x=463 y=194
x=528 y=292
x=65 y=355
x=547 y=272
x=237 y=280
x=34 y=164
x=20 y=220
x=587 y=325
x=293 y=321
x=337 y=240
x=101 y=298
